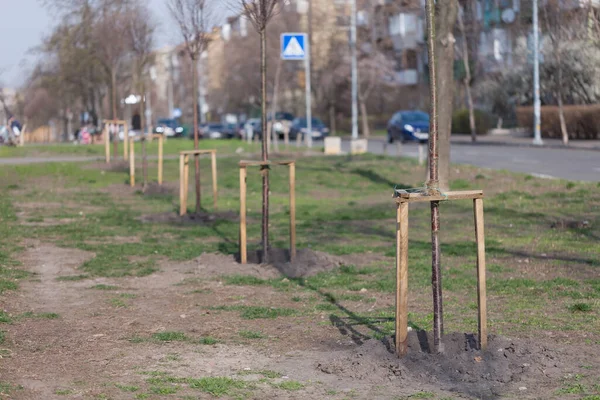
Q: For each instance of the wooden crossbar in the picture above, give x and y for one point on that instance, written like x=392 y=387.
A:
x=243 y=190
x=197 y=152
x=402 y=197
x=403 y=201
x=247 y=163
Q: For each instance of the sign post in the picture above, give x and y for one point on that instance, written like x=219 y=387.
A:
x=295 y=46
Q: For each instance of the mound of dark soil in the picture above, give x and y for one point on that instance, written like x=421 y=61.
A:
x=460 y=368
x=307 y=262
x=153 y=189
x=201 y=218
x=216 y=264
x=114 y=166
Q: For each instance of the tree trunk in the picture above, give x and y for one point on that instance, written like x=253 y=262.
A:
x=265 y=154
x=196 y=158
x=365 y=119
x=446 y=19
x=144 y=149
x=465 y=57
x=113 y=85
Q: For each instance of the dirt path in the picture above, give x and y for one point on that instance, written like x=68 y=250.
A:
x=112 y=342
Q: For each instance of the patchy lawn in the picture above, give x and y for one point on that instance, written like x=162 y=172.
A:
x=106 y=293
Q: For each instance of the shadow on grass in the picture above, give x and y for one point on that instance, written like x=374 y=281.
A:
x=346 y=326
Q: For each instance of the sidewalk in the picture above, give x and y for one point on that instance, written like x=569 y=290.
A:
x=522 y=141
x=514 y=140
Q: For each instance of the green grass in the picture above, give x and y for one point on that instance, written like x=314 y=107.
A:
x=127 y=388
x=217 y=386
x=289 y=385
x=2 y=337
x=251 y=334
x=257 y=312
x=72 y=278
x=207 y=340
x=580 y=307
x=63 y=392
x=170 y=337
x=105 y=287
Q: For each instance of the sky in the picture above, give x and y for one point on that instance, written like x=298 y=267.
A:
x=26 y=22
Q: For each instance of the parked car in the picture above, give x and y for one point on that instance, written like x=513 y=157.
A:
x=169 y=127
x=408 y=126
x=299 y=125
x=216 y=131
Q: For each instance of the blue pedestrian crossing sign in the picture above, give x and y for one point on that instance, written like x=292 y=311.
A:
x=294 y=46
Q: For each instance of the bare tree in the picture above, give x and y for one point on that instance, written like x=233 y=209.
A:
x=376 y=71
x=260 y=13
x=558 y=34
x=111 y=48
x=193 y=18
x=141 y=36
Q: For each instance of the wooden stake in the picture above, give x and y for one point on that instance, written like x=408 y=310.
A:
x=160 y=160
x=292 y=212
x=125 y=141
x=243 y=249
x=186 y=180
x=402 y=279
x=481 y=286
x=107 y=143
x=182 y=209
x=131 y=164
x=213 y=162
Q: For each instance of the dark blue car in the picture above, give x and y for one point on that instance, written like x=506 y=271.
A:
x=408 y=126
x=299 y=125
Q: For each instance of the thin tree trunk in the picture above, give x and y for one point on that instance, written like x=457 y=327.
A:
x=196 y=145
x=433 y=182
x=144 y=150
x=113 y=84
x=365 y=119
x=465 y=57
x=265 y=154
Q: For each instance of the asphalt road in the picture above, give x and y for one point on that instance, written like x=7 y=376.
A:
x=571 y=164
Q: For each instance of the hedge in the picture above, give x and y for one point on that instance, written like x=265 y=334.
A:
x=460 y=122
x=583 y=121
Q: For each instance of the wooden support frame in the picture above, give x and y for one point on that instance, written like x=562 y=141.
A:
x=184 y=174
x=108 y=123
x=243 y=191
x=132 y=158
x=403 y=200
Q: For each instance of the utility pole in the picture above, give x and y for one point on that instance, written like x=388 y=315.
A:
x=354 y=72
x=537 y=139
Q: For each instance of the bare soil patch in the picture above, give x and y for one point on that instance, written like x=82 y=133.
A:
x=307 y=262
x=201 y=218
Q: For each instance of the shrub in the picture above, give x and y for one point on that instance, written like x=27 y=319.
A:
x=460 y=122
x=583 y=121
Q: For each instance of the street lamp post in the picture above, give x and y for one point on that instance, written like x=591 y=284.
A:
x=354 y=72
x=537 y=139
